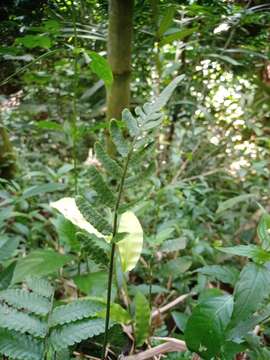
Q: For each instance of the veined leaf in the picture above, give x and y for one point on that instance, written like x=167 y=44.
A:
x=40 y=263
x=225 y=274
x=205 y=329
x=6 y=276
x=8 y=246
x=117 y=314
x=108 y=163
x=93 y=216
x=22 y=299
x=251 y=289
x=73 y=333
x=19 y=346
x=77 y=310
x=101 y=67
x=142 y=319
x=263 y=231
x=130 y=247
x=166 y=20
x=228 y=204
x=68 y=208
x=13 y=319
x=42 y=189
x=178 y=35
x=118 y=139
x=253 y=252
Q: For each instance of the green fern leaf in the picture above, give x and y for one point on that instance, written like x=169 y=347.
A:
x=39 y=286
x=12 y=319
x=140 y=155
x=131 y=122
x=105 y=195
x=22 y=299
x=108 y=163
x=73 y=333
x=77 y=310
x=118 y=139
x=20 y=347
x=93 y=216
x=97 y=248
x=142 y=318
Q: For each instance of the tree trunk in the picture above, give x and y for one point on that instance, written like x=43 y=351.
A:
x=7 y=156
x=119 y=56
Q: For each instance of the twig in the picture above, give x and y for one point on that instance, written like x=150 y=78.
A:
x=170 y=305
x=171 y=345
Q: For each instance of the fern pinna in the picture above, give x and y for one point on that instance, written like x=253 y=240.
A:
x=105 y=225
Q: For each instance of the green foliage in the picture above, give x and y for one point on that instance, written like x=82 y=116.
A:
x=101 y=67
x=142 y=319
x=105 y=196
x=93 y=216
x=109 y=164
x=118 y=139
x=205 y=329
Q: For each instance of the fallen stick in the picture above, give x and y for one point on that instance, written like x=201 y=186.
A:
x=170 y=305
x=169 y=346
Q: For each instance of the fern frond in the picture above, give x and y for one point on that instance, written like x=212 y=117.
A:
x=105 y=195
x=22 y=299
x=39 y=286
x=20 y=347
x=140 y=155
x=73 y=333
x=12 y=319
x=77 y=310
x=98 y=249
x=131 y=122
x=118 y=139
x=108 y=163
x=93 y=216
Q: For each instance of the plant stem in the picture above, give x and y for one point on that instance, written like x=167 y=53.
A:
x=110 y=275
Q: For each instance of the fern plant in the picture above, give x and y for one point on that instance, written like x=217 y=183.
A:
x=121 y=231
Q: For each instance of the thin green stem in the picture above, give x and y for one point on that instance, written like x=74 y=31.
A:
x=110 y=275
x=74 y=102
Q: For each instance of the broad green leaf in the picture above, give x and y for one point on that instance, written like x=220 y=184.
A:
x=49 y=125
x=40 y=263
x=142 y=319
x=130 y=247
x=166 y=20
x=228 y=204
x=251 y=289
x=263 y=231
x=205 y=329
x=225 y=58
x=66 y=231
x=174 y=245
x=33 y=41
x=94 y=284
x=42 y=189
x=223 y=273
x=117 y=314
x=180 y=320
x=253 y=252
x=178 y=35
x=6 y=276
x=101 y=68
x=8 y=246
x=67 y=207
x=176 y=267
